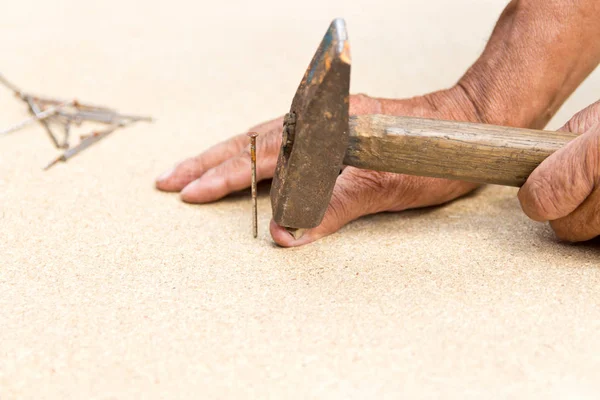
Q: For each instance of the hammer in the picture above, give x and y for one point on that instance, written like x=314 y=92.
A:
x=319 y=137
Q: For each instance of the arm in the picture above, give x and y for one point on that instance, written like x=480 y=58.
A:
x=539 y=53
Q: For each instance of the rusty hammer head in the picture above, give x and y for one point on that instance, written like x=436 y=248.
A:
x=315 y=135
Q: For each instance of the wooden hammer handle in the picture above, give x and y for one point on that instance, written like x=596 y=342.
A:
x=447 y=149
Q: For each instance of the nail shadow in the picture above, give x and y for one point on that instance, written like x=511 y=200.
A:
x=262 y=189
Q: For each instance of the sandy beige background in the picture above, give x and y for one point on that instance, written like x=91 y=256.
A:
x=110 y=289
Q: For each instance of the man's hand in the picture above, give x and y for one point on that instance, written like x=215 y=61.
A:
x=565 y=188
x=225 y=168
x=539 y=52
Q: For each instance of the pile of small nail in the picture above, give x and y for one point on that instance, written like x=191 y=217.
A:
x=58 y=114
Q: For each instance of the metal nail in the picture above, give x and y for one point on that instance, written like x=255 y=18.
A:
x=38 y=117
x=10 y=86
x=49 y=111
x=67 y=127
x=79 y=105
x=253 y=136
x=102 y=116
x=86 y=142
x=35 y=110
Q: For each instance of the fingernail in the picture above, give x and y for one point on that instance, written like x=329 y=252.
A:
x=296 y=233
x=166 y=175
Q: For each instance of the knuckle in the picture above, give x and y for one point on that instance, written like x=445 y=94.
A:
x=235 y=165
x=270 y=143
x=595 y=110
x=541 y=198
x=228 y=170
x=245 y=152
x=236 y=143
x=577 y=123
x=584 y=119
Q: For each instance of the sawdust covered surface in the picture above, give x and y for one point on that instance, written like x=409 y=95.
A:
x=109 y=289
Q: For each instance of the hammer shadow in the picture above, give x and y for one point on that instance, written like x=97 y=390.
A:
x=541 y=234
x=418 y=213
x=534 y=238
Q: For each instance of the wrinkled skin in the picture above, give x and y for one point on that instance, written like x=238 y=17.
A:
x=565 y=188
x=225 y=168
x=538 y=54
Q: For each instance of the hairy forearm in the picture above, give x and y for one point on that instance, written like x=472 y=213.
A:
x=539 y=53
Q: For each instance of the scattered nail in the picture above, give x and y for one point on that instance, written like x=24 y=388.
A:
x=37 y=117
x=67 y=129
x=65 y=113
x=35 y=110
x=84 y=144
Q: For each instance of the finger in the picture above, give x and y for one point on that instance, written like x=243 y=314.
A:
x=360 y=192
x=584 y=119
x=348 y=202
x=230 y=176
x=185 y=172
x=562 y=181
x=193 y=168
x=583 y=223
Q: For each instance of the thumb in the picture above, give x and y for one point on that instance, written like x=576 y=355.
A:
x=354 y=196
x=362 y=192
x=562 y=181
x=584 y=119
